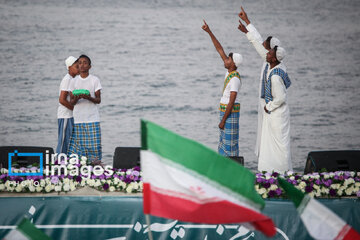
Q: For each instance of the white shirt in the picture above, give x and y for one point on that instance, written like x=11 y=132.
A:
x=233 y=86
x=86 y=111
x=64 y=112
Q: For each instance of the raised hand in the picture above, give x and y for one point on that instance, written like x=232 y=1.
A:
x=243 y=16
x=242 y=28
x=205 y=27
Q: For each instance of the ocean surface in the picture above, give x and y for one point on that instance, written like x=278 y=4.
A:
x=155 y=62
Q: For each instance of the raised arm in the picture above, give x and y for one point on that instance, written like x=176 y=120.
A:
x=249 y=26
x=243 y=16
x=255 y=42
x=216 y=43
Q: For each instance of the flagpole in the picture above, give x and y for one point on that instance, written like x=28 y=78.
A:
x=147 y=218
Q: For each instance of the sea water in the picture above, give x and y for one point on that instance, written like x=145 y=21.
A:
x=155 y=62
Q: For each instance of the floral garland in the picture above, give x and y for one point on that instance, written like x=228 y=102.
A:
x=320 y=185
x=121 y=180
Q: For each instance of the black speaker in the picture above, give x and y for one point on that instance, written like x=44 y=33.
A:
x=24 y=155
x=347 y=160
x=238 y=159
x=126 y=157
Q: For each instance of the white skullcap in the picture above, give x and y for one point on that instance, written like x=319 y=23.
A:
x=280 y=54
x=70 y=61
x=237 y=58
x=274 y=42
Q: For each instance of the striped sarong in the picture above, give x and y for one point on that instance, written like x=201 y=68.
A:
x=229 y=136
x=86 y=141
x=65 y=129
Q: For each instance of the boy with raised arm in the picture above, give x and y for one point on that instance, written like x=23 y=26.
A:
x=229 y=102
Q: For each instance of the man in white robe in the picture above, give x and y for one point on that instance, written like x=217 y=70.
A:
x=268 y=44
x=273 y=144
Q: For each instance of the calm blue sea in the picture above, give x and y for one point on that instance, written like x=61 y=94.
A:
x=155 y=62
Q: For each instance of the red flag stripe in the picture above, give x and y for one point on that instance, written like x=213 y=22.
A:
x=220 y=212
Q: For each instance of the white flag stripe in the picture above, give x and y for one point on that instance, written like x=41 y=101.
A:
x=324 y=224
x=15 y=235
x=185 y=182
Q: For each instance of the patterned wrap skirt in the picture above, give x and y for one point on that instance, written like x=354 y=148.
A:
x=229 y=136
x=86 y=141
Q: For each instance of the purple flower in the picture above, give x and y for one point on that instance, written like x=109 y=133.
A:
x=106 y=186
x=297 y=177
x=78 y=178
x=127 y=180
x=275 y=174
x=278 y=191
x=308 y=188
x=332 y=192
x=102 y=176
x=317 y=181
x=358 y=194
x=271 y=193
x=54 y=180
x=268 y=174
x=34 y=169
x=266 y=185
x=137 y=168
x=136 y=178
x=259 y=180
x=19 y=179
x=13 y=178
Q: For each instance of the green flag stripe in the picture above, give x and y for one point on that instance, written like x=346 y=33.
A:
x=293 y=193
x=196 y=157
x=29 y=230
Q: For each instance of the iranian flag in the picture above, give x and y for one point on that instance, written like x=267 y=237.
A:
x=26 y=230
x=187 y=181
x=320 y=221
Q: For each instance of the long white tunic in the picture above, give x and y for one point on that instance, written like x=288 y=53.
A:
x=274 y=140
x=255 y=36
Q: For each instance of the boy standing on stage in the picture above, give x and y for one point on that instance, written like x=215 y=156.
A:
x=86 y=138
x=65 y=109
x=229 y=103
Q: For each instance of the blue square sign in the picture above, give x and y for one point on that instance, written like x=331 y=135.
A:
x=40 y=155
